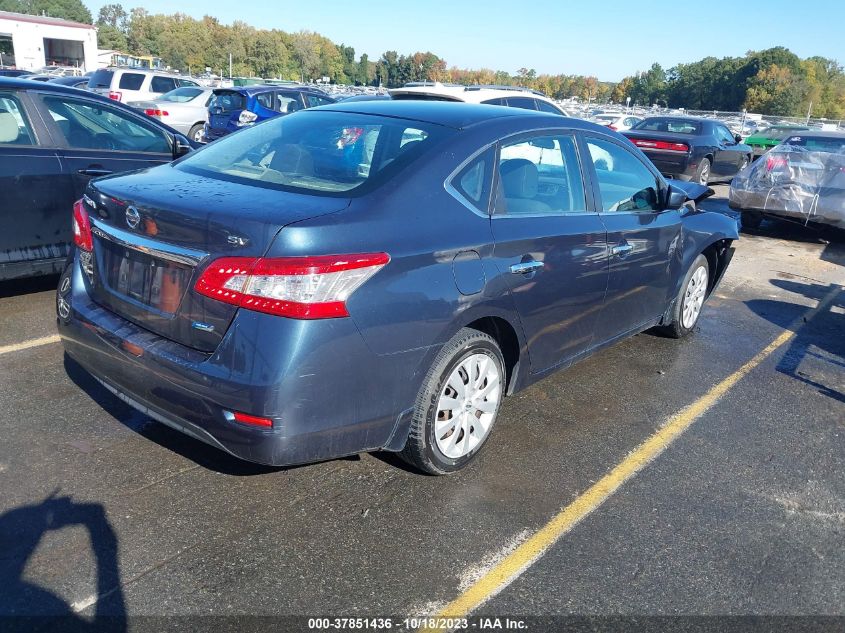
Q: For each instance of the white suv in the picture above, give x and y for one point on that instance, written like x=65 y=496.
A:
x=135 y=84
x=512 y=96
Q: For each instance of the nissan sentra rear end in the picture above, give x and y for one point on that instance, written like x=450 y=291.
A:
x=187 y=298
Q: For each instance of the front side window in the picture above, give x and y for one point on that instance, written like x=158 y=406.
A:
x=14 y=128
x=287 y=102
x=724 y=135
x=540 y=175
x=88 y=125
x=130 y=81
x=328 y=153
x=625 y=183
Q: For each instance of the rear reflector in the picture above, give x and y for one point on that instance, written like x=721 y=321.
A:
x=82 y=227
x=666 y=146
x=294 y=287
x=116 y=95
x=252 y=420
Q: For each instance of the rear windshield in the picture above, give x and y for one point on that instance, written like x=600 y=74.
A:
x=181 y=95
x=100 y=79
x=323 y=152
x=228 y=101
x=818 y=143
x=675 y=126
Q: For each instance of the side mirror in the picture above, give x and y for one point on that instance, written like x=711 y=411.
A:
x=738 y=139
x=676 y=198
x=181 y=146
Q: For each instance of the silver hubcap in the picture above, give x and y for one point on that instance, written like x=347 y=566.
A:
x=694 y=297
x=705 y=174
x=467 y=406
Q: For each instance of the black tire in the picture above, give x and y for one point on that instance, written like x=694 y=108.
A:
x=421 y=450
x=197 y=133
x=702 y=174
x=751 y=219
x=676 y=328
x=63 y=309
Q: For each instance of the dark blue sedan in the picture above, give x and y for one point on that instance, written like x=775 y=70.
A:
x=274 y=298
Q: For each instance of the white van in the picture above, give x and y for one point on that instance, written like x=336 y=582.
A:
x=135 y=84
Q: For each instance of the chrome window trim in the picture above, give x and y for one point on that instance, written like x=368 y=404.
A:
x=457 y=195
x=142 y=244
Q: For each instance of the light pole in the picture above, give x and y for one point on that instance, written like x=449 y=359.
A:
x=627 y=105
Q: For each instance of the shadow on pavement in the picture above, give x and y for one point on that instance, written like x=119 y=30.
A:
x=26 y=606
x=28 y=286
x=821 y=340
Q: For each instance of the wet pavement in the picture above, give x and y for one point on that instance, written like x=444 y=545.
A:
x=104 y=511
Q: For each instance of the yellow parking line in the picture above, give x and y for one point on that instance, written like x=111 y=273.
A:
x=35 y=342
x=512 y=566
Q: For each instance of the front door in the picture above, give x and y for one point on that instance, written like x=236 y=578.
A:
x=550 y=245
x=643 y=240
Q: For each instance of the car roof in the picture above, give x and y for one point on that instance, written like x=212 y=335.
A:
x=28 y=84
x=469 y=94
x=821 y=134
x=452 y=114
x=259 y=88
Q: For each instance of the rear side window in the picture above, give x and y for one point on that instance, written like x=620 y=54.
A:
x=131 y=81
x=540 y=175
x=162 y=84
x=14 y=128
x=473 y=181
x=327 y=153
x=499 y=102
x=287 y=102
x=101 y=79
x=228 y=101
x=187 y=82
x=265 y=100
x=521 y=102
x=624 y=182
x=544 y=106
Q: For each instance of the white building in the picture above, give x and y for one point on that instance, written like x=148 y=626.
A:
x=38 y=41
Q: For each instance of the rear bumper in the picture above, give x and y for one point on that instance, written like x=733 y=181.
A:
x=790 y=203
x=673 y=164
x=327 y=393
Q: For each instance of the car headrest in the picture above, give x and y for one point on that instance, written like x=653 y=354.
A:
x=8 y=127
x=519 y=178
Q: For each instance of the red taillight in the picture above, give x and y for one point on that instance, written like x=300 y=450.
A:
x=666 y=146
x=116 y=95
x=82 y=227
x=774 y=162
x=295 y=287
x=252 y=420
x=155 y=112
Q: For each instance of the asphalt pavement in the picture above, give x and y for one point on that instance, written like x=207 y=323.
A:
x=104 y=512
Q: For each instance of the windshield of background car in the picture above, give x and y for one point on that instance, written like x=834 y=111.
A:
x=181 y=95
x=228 y=101
x=818 y=143
x=675 y=126
x=779 y=133
x=328 y=153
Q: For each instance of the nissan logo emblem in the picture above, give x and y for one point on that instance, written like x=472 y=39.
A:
x=133 y=218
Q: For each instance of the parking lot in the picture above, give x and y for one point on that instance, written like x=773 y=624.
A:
x=738 y=509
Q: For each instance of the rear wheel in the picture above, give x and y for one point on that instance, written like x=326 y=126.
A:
x=690 y=299
x=197 y=133
x=457 y=405
x=702 y=174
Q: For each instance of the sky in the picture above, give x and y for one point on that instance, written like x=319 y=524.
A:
x=609 y=39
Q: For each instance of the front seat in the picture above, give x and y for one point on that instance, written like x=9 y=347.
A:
x=9 y=130
x=520 y=180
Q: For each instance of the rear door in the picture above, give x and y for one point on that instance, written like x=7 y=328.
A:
x=642 y=239
x=35 y=213
x=97 y=138
x=550 y=245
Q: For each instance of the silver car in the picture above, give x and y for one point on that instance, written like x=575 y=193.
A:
x=184 y=109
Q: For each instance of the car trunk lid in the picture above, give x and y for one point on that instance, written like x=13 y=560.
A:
x=156 y=230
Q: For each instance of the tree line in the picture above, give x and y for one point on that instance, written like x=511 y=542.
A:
x=774 y=81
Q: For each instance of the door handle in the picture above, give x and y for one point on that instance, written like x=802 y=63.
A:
x=94 y=171
x=621 y=249
x=524 y=268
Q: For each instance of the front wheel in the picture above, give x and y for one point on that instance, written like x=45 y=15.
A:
x=457 y=405
x=690 y=299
